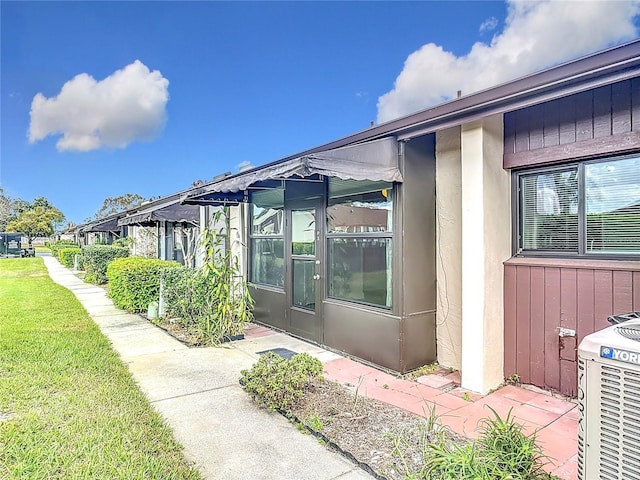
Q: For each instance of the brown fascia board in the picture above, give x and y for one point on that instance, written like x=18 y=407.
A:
x=614 y=64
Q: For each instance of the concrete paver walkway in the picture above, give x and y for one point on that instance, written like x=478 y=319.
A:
x=197 y=391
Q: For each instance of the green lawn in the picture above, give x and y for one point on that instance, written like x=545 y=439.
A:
x=69 y=408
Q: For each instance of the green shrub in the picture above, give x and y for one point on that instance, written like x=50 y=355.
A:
x=134 y=282
x=67 y=255
x=97 y=257
x=276 y=382
x=59 y=244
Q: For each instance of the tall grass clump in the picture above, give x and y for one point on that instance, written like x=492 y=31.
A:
x=213 y=301
x=501 y=452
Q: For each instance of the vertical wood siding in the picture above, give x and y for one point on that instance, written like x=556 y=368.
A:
x=602 y=120
x=542 y=295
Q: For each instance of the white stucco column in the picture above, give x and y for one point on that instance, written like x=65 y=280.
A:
x=486 y=244
x=237 y=235
x=162 y=246
x=203 y=224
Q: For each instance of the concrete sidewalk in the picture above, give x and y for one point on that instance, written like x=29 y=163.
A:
x=197 y=391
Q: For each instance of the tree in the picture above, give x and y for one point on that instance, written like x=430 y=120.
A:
x=37 y=221
x=18 y=206
x=11 y=208
x=113 y=205
x=5 y=210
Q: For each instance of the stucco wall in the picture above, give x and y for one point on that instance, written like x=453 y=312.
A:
x=449 y=248
x=145 y=241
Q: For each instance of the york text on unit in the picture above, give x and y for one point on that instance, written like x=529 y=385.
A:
x=620 y=355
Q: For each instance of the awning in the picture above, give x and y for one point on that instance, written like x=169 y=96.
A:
x=375 y=161
x=169 y=212
x=107 y=225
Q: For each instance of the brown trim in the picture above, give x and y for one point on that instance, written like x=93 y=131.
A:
x=593 y=264
x=614 y=144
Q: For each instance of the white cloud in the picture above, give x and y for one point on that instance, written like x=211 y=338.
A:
x=127 y=106
x=536 y=35
x=489 y=24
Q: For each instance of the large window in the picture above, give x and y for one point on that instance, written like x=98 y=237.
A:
x=359 y=241
x=267 y=238
x=590 y=208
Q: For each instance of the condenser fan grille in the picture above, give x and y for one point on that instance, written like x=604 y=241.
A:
x=630 y=331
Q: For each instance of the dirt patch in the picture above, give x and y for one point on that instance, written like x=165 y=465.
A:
x=368 y=430
x=177 y=331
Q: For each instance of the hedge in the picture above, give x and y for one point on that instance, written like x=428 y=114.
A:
x=56 y=246
x=135 y=282
x=96 y=258
x=67 y=255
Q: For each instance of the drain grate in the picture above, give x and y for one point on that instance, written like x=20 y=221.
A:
x=283 y=352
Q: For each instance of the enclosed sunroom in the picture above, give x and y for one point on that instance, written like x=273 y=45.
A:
x=340 y=247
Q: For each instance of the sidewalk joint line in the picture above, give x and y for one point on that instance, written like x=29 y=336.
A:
x=193 y=393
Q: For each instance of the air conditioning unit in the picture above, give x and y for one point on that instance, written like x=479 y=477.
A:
x=609 y=403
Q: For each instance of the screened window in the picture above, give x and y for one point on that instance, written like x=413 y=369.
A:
x=266 y=241
x=550 y=211
x=359 y=241
x=592 y=208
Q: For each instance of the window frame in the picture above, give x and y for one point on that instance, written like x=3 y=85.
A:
x=265 y=236
x=517 y=217
x=387 y=235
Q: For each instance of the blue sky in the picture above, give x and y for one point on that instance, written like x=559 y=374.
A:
x=217 y=84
